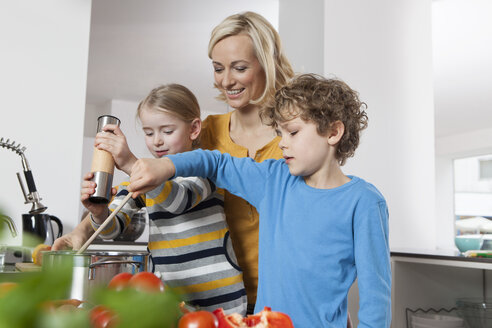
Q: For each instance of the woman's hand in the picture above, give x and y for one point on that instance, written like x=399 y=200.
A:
x=149 y=173
x=75 y=239
x=114 y=141
x=88 y=188
x=69 y=241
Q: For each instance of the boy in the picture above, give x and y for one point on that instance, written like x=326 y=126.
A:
x=319 y=229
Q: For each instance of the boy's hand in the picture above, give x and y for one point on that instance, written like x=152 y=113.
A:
x=148 y=174
x=114 y=141
x=87 y=190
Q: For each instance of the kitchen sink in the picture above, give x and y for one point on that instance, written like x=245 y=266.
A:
x=9 y=256
x=15 y=254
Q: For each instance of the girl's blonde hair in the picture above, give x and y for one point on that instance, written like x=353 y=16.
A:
x=174 y=99
x=267 y=47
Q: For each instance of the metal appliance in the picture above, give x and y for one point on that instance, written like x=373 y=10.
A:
x=103 y=166
x=35 y=222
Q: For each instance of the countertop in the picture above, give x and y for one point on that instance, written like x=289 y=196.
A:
x=440 y=257
x=118 y=245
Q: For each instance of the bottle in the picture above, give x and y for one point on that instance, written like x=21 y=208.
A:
x=103 y=165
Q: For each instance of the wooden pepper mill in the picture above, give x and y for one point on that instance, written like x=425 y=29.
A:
x=103 y=165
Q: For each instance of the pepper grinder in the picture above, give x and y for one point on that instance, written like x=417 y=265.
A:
x=103 y=165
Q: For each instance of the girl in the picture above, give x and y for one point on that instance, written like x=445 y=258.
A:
x=188 y=235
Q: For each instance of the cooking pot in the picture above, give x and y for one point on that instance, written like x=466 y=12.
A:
x=95 y=268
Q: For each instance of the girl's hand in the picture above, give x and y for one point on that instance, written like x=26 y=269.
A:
x=87 y=190
x=114 y=141
x=149 y=173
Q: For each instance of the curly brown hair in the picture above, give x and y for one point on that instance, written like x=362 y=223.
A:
x=323 y=102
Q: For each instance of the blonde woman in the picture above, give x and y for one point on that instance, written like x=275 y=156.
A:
x=249 y=66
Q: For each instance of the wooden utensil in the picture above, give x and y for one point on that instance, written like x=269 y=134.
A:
x=105 y=223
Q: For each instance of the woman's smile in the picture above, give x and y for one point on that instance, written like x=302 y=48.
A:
x=237 y=71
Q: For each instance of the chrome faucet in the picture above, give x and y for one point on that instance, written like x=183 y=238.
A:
x=10 y=223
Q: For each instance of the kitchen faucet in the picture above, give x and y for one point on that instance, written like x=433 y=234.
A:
x=10 y=223
x=33 y=195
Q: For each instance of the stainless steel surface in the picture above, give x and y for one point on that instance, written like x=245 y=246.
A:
x=10 y=223
x=103 y=179
x=95 y=268
x=104 y=182
x=16 y=254
x=105 y=120
x=9 y=273
x=12 y=146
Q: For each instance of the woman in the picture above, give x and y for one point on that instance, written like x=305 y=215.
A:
x=249 y=66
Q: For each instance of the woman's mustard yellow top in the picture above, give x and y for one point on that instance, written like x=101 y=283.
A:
x=241 y=217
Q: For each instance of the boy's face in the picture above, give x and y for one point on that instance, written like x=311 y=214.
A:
x=305 y=151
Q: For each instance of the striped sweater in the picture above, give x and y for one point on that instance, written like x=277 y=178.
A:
x=189 y=242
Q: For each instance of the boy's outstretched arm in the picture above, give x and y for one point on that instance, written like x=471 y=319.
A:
x=149 y=173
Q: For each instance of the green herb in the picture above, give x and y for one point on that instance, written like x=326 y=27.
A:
x=23 y=305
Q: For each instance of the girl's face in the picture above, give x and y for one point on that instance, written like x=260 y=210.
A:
x=166 y=134
x=237 y=71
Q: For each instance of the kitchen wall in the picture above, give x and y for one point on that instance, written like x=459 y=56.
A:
x=383 y=49
x=43 y=65
x=377 y=49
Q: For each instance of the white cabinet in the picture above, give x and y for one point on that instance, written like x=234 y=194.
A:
x=435 y=280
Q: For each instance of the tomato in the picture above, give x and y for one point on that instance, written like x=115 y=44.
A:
x=146 y=281
x=37 y=255
x=6 y=287
x=120 y=281
x=265 y=318
x=102 y=317
x=198 y=319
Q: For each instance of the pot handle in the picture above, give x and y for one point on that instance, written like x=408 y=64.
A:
x=137 y=264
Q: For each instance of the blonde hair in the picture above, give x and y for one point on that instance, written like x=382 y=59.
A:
x=174 y=99
x=267 y=47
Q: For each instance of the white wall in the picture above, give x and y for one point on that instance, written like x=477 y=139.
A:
x=383 y=49
x=301 y=28
x=43 y=65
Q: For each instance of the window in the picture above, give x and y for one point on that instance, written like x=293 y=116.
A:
x=473 y=195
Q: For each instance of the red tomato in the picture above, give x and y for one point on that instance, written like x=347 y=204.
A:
x=120 y=281
x=102 y=317
x=198 y=319
x=265 y=318
x=146 y=281
x=6 y=287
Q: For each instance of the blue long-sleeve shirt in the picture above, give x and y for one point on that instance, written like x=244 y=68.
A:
x=313 y=243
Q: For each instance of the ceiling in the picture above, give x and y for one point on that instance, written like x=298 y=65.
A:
x=136 y=45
